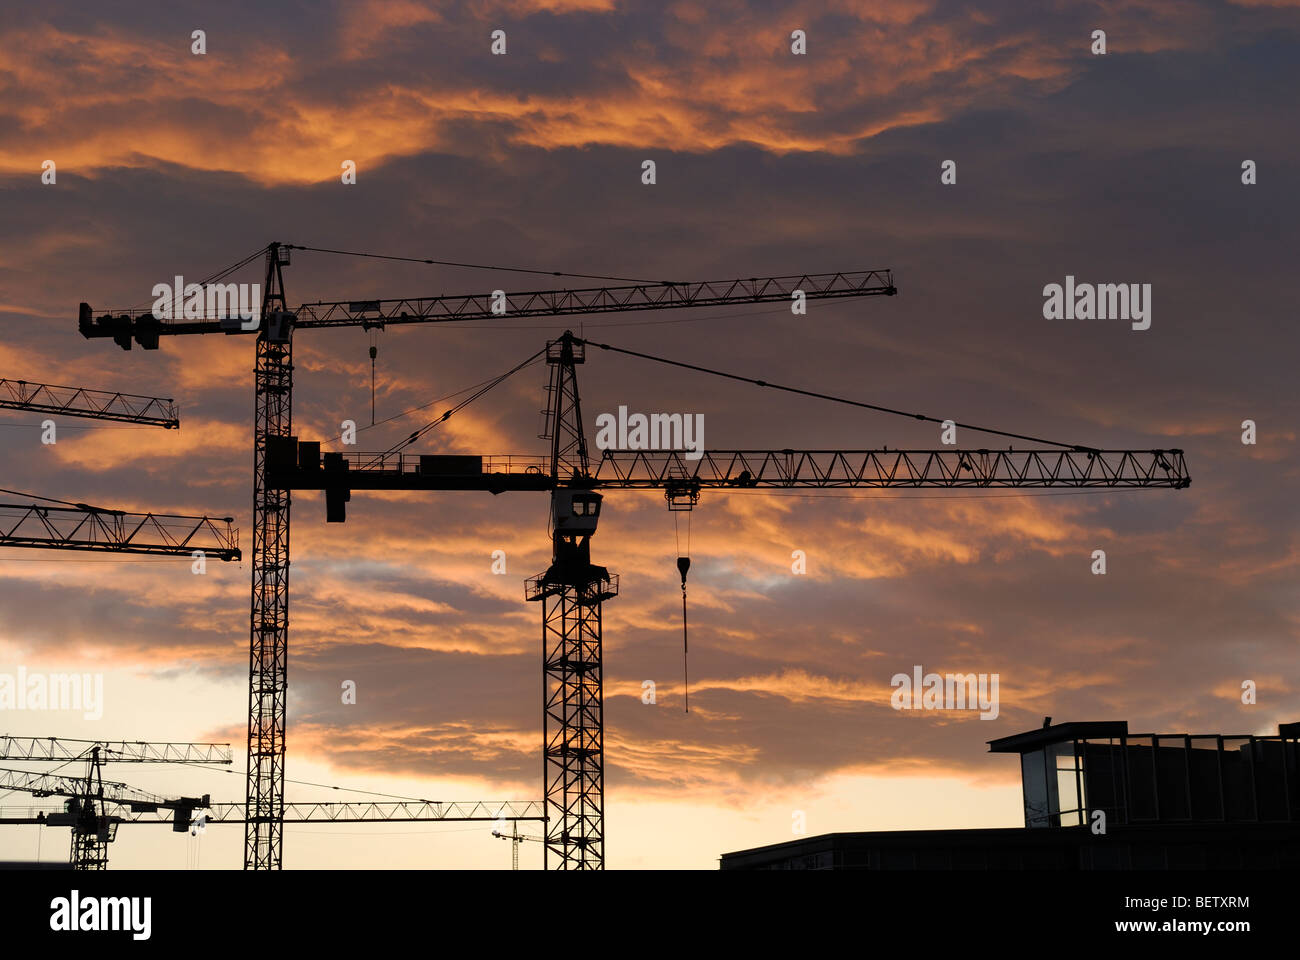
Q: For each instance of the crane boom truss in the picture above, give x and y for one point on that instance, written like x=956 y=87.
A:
x=55 y=784
x=274 y=454
x=93 y=827
x=739 y=469
x=89 y=404
x=83 y=527
x=146 y=328
x=573 y=590
x=411 y=811
x=268 y=646
x=894 y=468
x=129 y=751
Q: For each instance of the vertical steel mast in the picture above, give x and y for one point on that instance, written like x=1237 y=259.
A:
x=268 y=675
x=572 y=587
x=92 y=832
x=572 y=591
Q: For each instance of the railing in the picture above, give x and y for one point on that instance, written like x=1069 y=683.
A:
x=409 y=463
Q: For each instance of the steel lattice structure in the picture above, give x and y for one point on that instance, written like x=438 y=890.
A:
x=573 y=722
x=84 y=527
x=572 y=592
x=573 y=589
x=97 y=808
x=894 y=468
x=145 y=328
x=94 y=827
x=402 y=811
x=768 y=469
x=268 y=647
x=57 y=784
x=96 y=404
x=132 y=751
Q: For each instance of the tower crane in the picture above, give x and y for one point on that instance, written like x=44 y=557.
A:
x=515 y=838
x=93 y=827
x=90 y=810
x=573 y=589
x=118 y=808
x=97 y=807
x=274 y=330
x=80 y=526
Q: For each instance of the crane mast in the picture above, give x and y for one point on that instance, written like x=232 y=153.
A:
x=94 y=827
x=573 y=589
x=273 y=428
x=572 y=592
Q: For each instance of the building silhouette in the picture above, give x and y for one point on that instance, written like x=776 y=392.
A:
x=1099 y=798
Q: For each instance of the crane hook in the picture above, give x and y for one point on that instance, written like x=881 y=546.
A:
x=374 y=352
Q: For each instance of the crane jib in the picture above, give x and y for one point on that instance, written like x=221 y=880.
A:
x=143 y=328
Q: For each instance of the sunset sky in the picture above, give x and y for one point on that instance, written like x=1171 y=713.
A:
x=1116 y=168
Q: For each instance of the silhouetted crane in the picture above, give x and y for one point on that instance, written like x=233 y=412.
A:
x=97 y=807
x=573 y=589
x=274 y=328
x=93 y=828
x=80 y=526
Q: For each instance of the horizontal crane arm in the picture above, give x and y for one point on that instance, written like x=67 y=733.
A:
x=892 y=468
x=132 y=751
x=144 y=328
x=58 y=785
x=559 y=303
x=365 y=812
x=90 y=404
x=83 y=527
x=740 y=469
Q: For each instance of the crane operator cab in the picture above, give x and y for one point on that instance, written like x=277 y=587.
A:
x=574 y=512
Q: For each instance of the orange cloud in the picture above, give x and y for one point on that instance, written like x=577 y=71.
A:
x=725 y=77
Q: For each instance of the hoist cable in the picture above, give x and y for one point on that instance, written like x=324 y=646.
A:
x=686 y=667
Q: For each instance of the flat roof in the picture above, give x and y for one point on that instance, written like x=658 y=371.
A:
x=1099 y=730
x=1079 y=730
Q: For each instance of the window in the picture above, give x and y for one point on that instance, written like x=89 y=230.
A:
x=1033 y=779
x=1071 y=805
x=1053 y=785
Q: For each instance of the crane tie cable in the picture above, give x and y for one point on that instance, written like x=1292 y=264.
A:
x=220 y=274
x=417 y=434
x=834 y=399
x=472 y=266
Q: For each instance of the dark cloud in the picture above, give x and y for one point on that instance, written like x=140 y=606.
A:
x=1124 y=168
